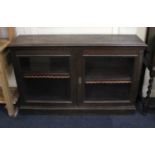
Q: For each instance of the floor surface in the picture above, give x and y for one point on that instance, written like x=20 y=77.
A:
x=135 y=120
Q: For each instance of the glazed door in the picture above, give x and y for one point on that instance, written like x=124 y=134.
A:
x=106 y=78
x=46 y=79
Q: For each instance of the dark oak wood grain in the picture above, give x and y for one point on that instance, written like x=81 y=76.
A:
x=102 y=71
x=77 y=40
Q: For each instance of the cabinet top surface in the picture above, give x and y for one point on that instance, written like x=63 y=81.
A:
x=77 y=40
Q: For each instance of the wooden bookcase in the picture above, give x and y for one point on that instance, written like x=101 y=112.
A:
x=8 y=95
x=77 y=72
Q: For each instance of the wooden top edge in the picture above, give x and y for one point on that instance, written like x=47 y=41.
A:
x=3 y=44
x=78 y=40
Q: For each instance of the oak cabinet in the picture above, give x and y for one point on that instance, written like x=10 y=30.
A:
x=77 y=72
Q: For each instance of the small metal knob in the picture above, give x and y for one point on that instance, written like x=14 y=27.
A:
x=80 y=80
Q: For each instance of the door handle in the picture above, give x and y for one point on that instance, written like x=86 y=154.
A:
x=80 y=80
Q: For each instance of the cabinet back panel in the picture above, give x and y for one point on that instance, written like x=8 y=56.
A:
x=47 y=89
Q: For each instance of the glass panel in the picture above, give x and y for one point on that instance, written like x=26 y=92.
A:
x=108 y=68
x=106 y=92
x=45 y=66
x=108 y=78
x=47 y=89
x=46 y=78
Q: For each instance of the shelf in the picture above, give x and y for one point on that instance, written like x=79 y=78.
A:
x=38 y=75
x=115 y=92
x=47 y=90
x=107 y=82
